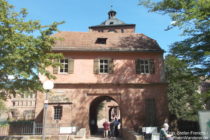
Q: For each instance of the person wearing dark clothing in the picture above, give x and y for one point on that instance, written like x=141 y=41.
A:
x=112 y=129
x=115 y=125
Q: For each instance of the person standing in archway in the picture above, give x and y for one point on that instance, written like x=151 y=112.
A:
x=115 y=125
x=106 y=128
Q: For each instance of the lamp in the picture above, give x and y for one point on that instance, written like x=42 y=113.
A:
x=47 y=85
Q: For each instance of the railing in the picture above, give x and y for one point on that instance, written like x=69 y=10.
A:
x=35 y=129
x=21 y=128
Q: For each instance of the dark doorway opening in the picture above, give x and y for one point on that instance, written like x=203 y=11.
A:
x=102 y=108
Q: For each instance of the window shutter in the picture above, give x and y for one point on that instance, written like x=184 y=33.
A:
x=55 y=68
x=138 y=68
x=61 y=114
x=96 y=66
x=70 y=66
x=111 y=66
x=152 y=66
x=150 y=109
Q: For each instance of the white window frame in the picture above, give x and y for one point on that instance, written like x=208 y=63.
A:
x=144 y=67
x=103 y=64
x=65 y=70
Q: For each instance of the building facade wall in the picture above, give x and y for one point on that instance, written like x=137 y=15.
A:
x=19 y=107
x=123 y=71
x=128 y=89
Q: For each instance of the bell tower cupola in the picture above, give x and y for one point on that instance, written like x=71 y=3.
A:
x=112 y=14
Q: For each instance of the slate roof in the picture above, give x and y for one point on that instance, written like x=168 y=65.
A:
x=86 y=41
x=112 y=21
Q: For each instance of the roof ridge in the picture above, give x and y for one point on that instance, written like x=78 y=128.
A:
x=100 y=33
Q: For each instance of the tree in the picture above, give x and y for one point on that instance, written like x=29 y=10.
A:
x=192 y=17
x=184 y=100
x=22 y=54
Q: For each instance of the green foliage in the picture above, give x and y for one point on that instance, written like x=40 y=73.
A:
x=184 y=100
x=17 y=122
x=22 y=54
x=4 y=124
x=2 y=106
x=192 y=17
x=206 y=95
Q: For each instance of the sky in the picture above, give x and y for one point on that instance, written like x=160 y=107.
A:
x=80 y=14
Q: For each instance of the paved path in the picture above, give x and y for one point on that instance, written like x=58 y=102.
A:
x=100 y=138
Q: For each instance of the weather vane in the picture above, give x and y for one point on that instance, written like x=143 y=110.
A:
x=111 y=7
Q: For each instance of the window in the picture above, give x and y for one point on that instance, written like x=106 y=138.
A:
x=101 y=40
x=15 y=113
x=17 y=103
x=64 y=66
x=111 y=23
x=67 y=66
x=30 y=103
x=24 y=103
x=145 y=66
x=103 y=66
x=20 y=103
x=57 y=112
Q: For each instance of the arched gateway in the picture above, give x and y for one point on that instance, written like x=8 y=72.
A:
x=102 y=108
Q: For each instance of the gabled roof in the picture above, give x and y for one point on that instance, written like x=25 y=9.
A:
x=84 y=41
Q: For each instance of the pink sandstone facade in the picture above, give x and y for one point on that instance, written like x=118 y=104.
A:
x=86 y=82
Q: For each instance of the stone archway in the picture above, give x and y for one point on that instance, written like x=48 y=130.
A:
x=94 y=110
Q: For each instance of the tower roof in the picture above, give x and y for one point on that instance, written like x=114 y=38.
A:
x=112 y=21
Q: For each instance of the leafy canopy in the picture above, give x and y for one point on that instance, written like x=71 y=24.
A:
x=192 y=17
x=184 y=100
x=22 y=54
